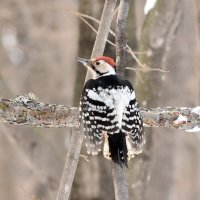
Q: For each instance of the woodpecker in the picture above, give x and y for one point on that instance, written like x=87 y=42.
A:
x=110 y=113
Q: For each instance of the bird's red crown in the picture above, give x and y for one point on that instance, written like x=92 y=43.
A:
x=109 y=60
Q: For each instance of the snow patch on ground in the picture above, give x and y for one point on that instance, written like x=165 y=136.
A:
x=196 y=110
x=149 y=5
x=195 y=129
x=180 y=120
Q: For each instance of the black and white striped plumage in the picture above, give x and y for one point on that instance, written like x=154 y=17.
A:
x=109 y=112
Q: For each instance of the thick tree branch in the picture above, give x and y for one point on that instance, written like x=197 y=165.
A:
x=121 y=37
x=70 y=164
x=103 y=30
x=120 y=183
x=76 y=141
x=158 y=32
x=26 y=111
x=119 y=178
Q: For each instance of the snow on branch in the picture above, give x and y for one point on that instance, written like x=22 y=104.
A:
x=25 y=110
x=187 y=119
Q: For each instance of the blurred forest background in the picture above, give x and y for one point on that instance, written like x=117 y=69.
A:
x=38 y=43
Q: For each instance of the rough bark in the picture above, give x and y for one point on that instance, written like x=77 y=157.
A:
x=119 y=178
x=25 y=111
x=179 y=153
x=104 y=28
x=70 y=164
x=98 y=49
x=30 y=112
x=158 y=32
x=85 y=45
x=121 y=37
x=91 y=174
x=120 y=183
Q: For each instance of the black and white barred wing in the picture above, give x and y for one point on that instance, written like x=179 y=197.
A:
x=97 y=119
x=132 y=125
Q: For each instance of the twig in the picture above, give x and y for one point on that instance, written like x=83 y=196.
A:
x=85 y=157
x=130 y=51
x=85 y=16
x=90 y=25
x=127 y=48
x=139 y=77
x=146 y=69
x=142 y=67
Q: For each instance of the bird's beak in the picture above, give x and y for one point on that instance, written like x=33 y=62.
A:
x=85 y=62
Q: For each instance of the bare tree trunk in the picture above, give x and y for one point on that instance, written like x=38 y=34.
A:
x=198 y=17
x=6 y=166
x=157 y=35
x=70 y=164
x=119 y=178
x=180 y=153
x=98 y=49
x=92 y=175
x=85 y=45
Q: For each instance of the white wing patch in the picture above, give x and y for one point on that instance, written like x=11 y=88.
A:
x=117 y=99
x=111 y=110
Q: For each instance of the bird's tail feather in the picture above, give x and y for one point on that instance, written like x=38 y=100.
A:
x=118 y=148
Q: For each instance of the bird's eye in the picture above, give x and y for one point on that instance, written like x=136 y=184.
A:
x=97 y=63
